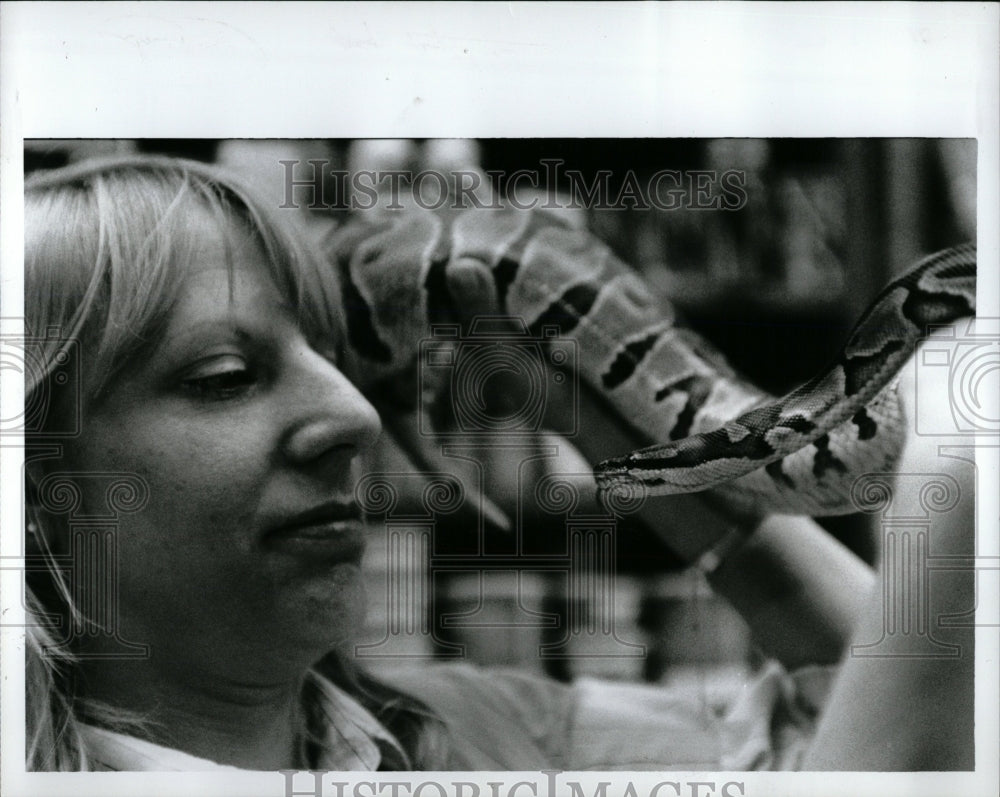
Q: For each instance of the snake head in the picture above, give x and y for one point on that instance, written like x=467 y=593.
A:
x=619 y=489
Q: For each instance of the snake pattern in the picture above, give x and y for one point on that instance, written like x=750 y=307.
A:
x=710 y=428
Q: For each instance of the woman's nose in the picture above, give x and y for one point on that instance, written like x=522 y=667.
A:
x=331 y=413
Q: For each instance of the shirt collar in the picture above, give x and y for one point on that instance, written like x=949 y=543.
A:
x=352 y=734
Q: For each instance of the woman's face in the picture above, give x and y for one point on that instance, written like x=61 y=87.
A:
x=247 y=553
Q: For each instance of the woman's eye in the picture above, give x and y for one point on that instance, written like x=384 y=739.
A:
x=220 y=379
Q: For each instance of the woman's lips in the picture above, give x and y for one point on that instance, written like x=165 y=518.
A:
x=331 y=530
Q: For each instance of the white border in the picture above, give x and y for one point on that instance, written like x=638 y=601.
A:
x=211 y=70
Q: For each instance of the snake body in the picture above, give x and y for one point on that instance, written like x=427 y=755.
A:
x=712 y=429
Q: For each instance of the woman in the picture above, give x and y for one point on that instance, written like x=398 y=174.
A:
x=208 y=347
x=208 y=342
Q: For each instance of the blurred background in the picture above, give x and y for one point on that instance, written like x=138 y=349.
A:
x=769 y=248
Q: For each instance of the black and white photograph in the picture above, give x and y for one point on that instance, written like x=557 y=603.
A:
x=400 y=404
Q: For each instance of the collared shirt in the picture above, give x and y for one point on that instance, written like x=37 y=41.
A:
x=508 y=720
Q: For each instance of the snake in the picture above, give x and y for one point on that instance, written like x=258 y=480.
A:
x=707 y=427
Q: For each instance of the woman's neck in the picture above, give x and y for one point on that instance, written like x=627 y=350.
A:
x=247 y=725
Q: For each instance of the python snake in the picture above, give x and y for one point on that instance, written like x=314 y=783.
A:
x=800 y=453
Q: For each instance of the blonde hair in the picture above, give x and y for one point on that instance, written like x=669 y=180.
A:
x=106 y=245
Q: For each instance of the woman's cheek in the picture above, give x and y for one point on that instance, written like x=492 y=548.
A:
x=194 y=484
x=213 y=492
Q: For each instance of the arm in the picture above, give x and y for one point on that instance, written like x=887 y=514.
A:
x=799 y=589
x=806 y=597
x=913 y=713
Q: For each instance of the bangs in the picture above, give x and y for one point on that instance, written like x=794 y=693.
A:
x=108 y=246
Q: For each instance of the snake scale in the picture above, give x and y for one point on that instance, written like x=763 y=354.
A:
x=800 y=453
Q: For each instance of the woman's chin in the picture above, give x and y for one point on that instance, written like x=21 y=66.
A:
x=324 y=613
